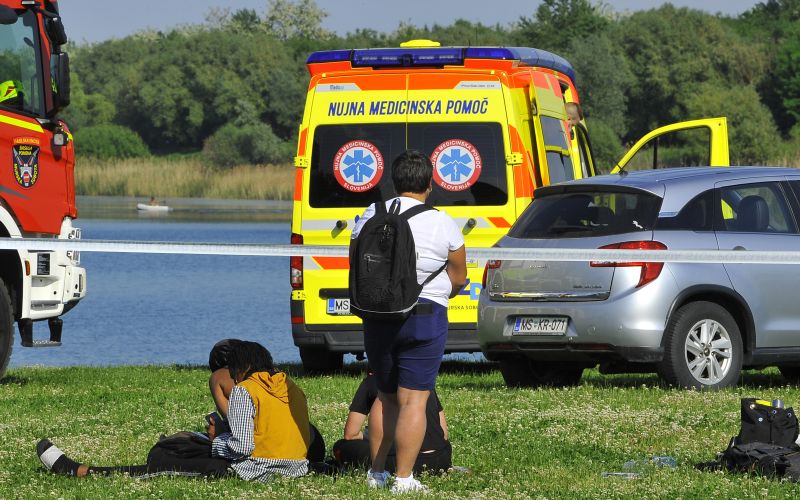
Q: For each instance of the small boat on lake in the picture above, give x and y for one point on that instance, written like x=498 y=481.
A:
x=144 y=207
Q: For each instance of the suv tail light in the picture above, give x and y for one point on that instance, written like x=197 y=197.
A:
x=650 y=270
x=490 y=264
x=296 y=264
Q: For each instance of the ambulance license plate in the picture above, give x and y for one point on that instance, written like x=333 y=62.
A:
x=540 y=325
x=339 y=307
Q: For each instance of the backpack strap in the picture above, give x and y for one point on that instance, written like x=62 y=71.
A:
x=434 y=274
x=411 y=212
x=416 y=210
x=380 y=207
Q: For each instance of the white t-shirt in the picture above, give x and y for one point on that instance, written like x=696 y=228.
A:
x=435 y=235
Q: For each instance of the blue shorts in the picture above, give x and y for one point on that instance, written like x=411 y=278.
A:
x=407 y=354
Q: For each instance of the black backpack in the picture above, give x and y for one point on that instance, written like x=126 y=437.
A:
x=765 y=444
x=383 y=268
x=762 y=422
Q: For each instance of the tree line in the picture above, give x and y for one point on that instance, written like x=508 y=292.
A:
x=234 y=87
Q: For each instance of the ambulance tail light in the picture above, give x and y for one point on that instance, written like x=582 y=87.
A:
x=490 y=264
x=296 y=264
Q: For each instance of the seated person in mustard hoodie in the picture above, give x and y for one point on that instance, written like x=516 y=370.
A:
x=268 y=418
x=269 y=431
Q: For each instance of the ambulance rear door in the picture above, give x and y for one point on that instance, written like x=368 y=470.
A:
x=357 y=127
x=459 y=119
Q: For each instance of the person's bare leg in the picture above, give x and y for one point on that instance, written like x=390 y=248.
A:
x=382 y=425
x=411 y=425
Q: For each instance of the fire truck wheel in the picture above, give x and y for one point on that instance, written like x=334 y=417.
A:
x=6 y=328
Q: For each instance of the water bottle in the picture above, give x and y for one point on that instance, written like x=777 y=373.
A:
x=777 y=403
x=665 y=461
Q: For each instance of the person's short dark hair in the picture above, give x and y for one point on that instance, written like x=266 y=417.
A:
x=412 y=172
x=246 y=358
x=218 y=357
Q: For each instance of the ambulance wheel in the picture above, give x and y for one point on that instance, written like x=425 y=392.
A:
x=6 y=328
x=320 y=360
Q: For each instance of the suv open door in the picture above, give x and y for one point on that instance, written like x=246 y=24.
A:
x=684 y=144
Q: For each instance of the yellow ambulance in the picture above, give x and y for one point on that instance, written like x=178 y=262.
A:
x=494 y=122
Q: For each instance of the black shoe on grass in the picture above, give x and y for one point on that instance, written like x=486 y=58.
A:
x=54 y=459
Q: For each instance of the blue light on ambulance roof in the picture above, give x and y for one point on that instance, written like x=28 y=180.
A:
x=329 y=56
x=439 y=56
x=408 y=57
x=527 y=55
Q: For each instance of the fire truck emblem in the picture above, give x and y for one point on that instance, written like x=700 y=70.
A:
x=25 y=159
x=358 y=166
x=456 y=165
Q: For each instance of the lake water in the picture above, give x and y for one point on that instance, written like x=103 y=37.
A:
x=163 y=309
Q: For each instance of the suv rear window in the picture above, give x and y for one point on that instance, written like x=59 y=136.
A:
x=471 y=161
x=586 y=213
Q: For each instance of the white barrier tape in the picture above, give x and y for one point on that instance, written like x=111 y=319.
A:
x=548 y=254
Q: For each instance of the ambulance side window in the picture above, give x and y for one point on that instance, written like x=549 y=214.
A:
x=559 y=163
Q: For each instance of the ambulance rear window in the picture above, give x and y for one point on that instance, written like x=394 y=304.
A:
x=351 y=164
x=469 y=166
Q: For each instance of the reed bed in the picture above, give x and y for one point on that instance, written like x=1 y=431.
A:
x=182 y=178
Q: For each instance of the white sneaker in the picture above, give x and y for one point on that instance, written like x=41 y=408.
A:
x=377 y=479
x=408 y=485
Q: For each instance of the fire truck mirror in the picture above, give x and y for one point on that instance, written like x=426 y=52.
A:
x=62 y=82
x=7 y=15
x=55 y=30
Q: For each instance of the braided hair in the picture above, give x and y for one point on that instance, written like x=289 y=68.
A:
x=246 y=358
x=218 y=357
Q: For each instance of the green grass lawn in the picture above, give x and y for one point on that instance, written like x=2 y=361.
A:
x=552 y=443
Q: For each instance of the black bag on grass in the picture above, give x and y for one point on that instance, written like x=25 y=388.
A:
x=186 y=452
x=383 y=272
x=764 y=423
x=763 y=459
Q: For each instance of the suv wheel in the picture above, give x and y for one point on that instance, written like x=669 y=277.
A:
x=522 y=372
x=702 y=347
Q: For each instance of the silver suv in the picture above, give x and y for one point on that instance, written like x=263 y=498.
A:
x=697 y=325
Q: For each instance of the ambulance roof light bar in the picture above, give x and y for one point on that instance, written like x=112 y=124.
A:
x=439 y=56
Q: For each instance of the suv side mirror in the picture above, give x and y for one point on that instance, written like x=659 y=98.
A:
x=55 y=30
x=7 y=15
x=60 y=73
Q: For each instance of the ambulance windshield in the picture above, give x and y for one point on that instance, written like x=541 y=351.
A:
x=351 y=164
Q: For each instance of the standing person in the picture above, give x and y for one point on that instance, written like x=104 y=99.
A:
x=435 y=455
x=405 y=356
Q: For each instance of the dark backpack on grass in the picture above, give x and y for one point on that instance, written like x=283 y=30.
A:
x=764 y=423
x=765 y=444
x=383 y=269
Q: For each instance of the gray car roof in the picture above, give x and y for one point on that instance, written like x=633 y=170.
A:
x=683 y=184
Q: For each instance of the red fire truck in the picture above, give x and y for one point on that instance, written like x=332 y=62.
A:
x=37 y=186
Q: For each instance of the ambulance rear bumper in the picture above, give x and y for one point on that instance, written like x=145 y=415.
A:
x=461 y=337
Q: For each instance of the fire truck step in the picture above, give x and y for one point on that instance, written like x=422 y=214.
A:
x=42 y=343
x=26 y=333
